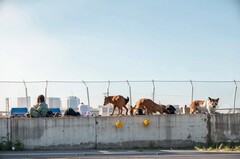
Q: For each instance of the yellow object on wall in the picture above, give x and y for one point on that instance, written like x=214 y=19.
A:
x=119 y=124
x=146 y=122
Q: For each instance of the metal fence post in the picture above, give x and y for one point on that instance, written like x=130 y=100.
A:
x=26 y=92
x=46 y=90
x=235 y=94
x=192 y=90
x=87 y=94
x=7 y=107
x=130 y=93
x=108 y=88
x=108 y=110
x=153 y=97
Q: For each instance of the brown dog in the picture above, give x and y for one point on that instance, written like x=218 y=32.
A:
x=149 y=106
x=117 y=101
x=204 y=106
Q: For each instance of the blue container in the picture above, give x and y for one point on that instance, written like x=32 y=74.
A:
x=19 y=111
x=54 y=110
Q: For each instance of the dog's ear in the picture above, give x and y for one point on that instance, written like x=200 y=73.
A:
x=217 y=99
x=209 y=98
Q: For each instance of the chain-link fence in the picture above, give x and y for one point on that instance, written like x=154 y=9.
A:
x=93 y=92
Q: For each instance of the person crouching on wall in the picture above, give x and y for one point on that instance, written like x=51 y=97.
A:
x=40 y=109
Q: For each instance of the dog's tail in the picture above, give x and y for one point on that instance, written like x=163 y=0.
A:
x=126 y=100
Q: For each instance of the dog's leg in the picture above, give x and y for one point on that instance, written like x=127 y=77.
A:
x=146 y=110
x=192 y=107
x=119 y=111
x=114 y=107
x=208 y=110
x=126 y=109
x=192 y=110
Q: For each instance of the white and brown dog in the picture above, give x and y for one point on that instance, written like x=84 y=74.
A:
x=204 y=106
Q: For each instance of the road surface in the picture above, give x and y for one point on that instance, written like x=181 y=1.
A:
x=132 y=154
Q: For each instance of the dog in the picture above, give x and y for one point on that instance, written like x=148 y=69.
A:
x=148 y=106
x=202 y=106
x=118 y=102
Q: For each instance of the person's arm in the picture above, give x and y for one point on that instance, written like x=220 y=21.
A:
x=36 y=105
x=39 y=108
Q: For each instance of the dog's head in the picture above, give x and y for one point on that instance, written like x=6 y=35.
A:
x=107 y=100
x=213 y=102
x=131 y=110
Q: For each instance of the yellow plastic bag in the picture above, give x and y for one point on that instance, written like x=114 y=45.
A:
x=146 y=122
x=119 y=124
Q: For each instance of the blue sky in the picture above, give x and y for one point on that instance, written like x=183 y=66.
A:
x=112 y=40
x=119 y=40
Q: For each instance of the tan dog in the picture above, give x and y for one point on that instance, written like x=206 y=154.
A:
x=204 y=106
x=117 y=101
x=149 y=106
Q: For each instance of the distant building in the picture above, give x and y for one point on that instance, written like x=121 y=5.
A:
x=22 y=102
x=73 y=102
x=54 y=102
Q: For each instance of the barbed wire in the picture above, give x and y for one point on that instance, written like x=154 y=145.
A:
x=123 y=81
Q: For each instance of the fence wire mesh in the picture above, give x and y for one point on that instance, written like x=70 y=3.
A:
x=93 y=92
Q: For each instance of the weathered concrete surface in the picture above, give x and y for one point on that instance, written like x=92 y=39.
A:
x=163 y=131
x=55 y=133
x=225 y=128
x=3 y=129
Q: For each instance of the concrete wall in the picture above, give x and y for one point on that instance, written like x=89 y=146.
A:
x=225 y=128
x=3 y=129
x=164 y=131
x=55 y=133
